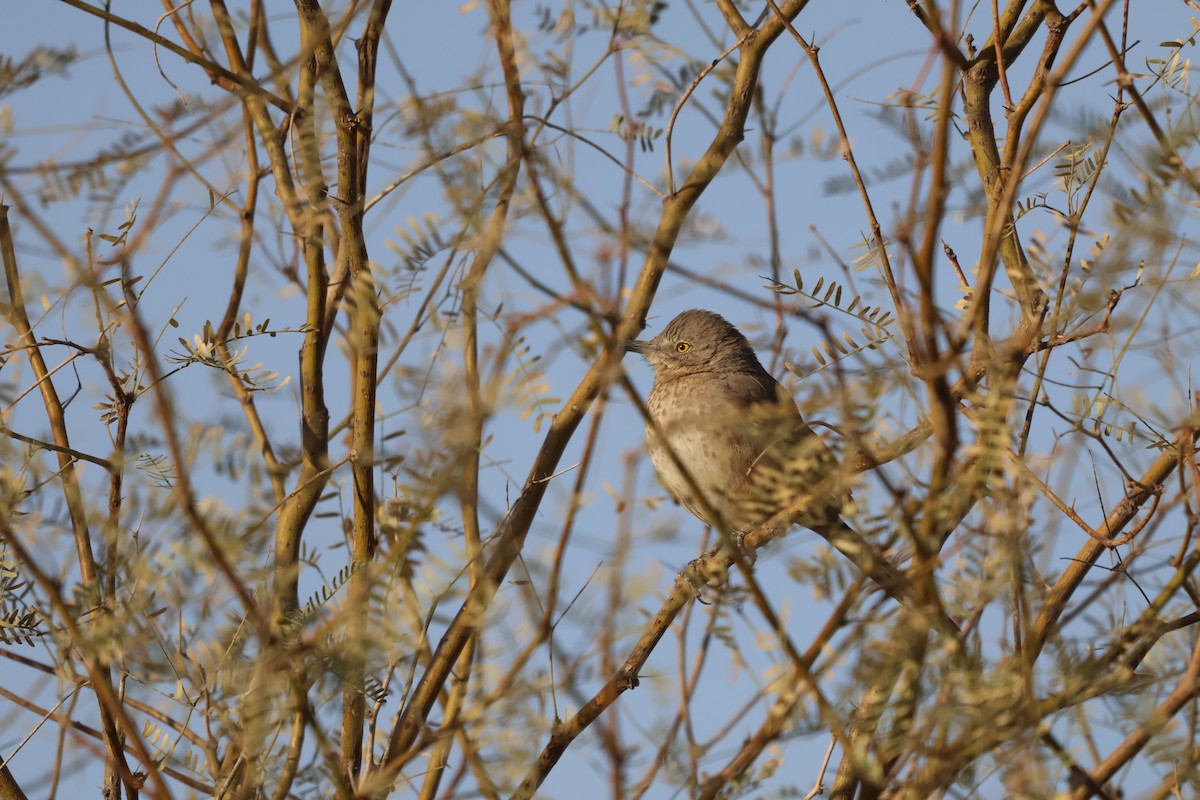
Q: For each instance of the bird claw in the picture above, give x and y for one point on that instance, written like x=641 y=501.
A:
x=693 y=574
x=739 y=542
x=700 y=573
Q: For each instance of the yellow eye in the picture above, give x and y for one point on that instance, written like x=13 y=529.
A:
x=682 y=347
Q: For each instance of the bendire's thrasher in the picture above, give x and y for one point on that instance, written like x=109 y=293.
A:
x=733 y=428
x=739 y=436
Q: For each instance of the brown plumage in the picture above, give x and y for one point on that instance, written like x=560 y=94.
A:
x=732 y=426
x=740 y=437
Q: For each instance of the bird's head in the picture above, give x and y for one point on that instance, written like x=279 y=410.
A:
x=696 y=341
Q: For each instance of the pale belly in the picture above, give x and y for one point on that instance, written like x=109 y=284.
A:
x=717 y=466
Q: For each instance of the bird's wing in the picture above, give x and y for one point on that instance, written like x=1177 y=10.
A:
x=781 y=458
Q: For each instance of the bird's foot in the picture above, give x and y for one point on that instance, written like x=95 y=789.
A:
x=739 y=542
x=695 y=574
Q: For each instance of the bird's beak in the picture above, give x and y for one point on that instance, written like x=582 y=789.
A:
x=637 y=346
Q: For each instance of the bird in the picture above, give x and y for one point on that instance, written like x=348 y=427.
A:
x=728 y=443
x=722 y=434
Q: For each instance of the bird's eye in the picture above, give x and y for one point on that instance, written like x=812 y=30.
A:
x=682 y=347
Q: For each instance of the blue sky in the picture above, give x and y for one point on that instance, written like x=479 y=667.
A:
x=869 y=51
